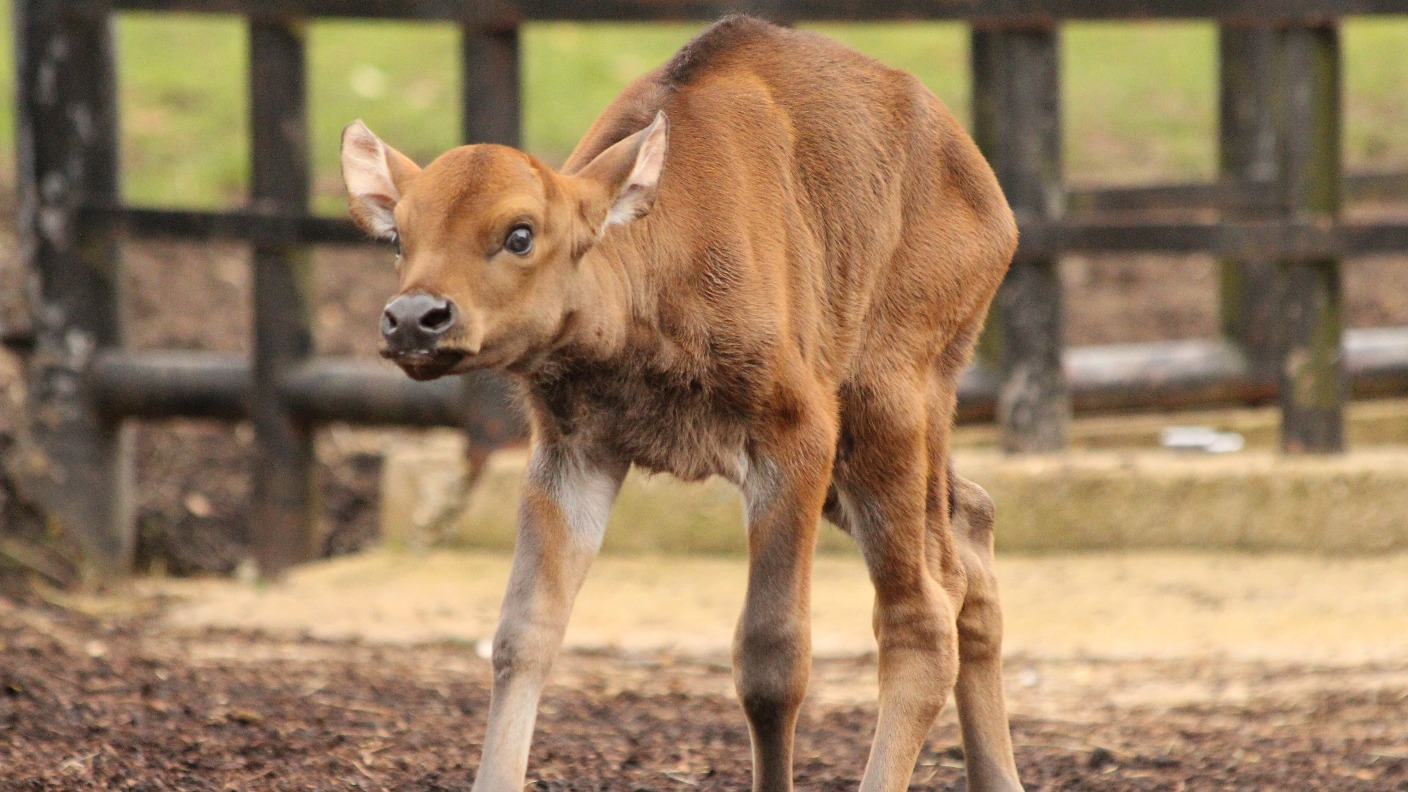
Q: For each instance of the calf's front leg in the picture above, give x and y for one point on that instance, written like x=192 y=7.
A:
x=562 y=518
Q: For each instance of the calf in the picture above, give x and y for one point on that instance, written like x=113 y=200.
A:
x=767 y=260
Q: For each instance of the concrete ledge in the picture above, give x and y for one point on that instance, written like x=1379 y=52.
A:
x=1368 y=423
x=1097 y=497
x=1254 y=500
x=425 y=504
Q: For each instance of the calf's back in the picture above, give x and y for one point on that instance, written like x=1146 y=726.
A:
x=821 y=218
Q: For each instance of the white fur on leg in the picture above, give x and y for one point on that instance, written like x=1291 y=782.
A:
x=582 y=488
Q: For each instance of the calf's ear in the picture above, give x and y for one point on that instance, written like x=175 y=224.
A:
x=629 y=172
x=376 y=175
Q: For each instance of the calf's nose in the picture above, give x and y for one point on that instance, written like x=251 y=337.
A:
x=415 y=322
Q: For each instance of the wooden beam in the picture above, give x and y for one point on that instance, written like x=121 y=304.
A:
x=1244 y=193
x=1247 y=156
x=74 y=465
x=168 y=384
x=1017 y=122
x=1087 y=232
x=284 y=513
x=1311 y=314
x=996 y=12
x=220 y=386
x=1171 y=375
x=490 y=107
x=260 y=224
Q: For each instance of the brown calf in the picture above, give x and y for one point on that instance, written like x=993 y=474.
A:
x=767 y=260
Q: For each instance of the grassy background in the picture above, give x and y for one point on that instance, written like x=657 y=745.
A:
x=1140 y=98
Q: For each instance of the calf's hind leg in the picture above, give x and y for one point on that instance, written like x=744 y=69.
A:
x=982 y=711
x=881 y=492
x=958 y=545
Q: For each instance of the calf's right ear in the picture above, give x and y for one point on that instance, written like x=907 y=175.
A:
x=376 y=176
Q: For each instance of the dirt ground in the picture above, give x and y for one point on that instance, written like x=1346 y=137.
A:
x=1149 y=672
x=108 y=704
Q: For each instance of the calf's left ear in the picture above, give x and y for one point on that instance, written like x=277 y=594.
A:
x=376 y=176
x=630 y=172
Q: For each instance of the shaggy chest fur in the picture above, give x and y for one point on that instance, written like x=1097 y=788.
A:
x=669 y=413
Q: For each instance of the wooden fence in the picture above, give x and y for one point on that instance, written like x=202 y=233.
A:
x=1272 y=218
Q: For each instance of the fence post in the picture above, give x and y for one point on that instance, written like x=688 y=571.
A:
x=490 y=112
x=285 y=509
x=489 y=78
x=1312 y=360
x=76 y=466
x=1017 y=122
x=1249 y=154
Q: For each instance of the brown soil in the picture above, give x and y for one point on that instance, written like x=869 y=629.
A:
x=117 y=704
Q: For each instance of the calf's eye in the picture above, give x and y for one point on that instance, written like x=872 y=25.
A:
x=519 y=240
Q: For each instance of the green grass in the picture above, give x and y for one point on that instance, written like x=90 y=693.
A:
x=1376 y=103
x=7 y=89
x=184 y=120
x=1139 y=99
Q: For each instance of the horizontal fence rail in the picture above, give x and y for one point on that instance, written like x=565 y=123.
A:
x=1273 y=218
x=1158 y=375
x=1254 y=193
x=1288 y=241
x=135 y=384
x=984 y=12
x=1085 y=232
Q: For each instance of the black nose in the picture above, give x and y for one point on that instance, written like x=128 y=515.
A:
x=415 y=322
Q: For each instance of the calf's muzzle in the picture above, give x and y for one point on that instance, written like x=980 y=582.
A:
x=413 y=324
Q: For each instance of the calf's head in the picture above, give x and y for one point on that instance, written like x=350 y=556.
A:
x=489 y=242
